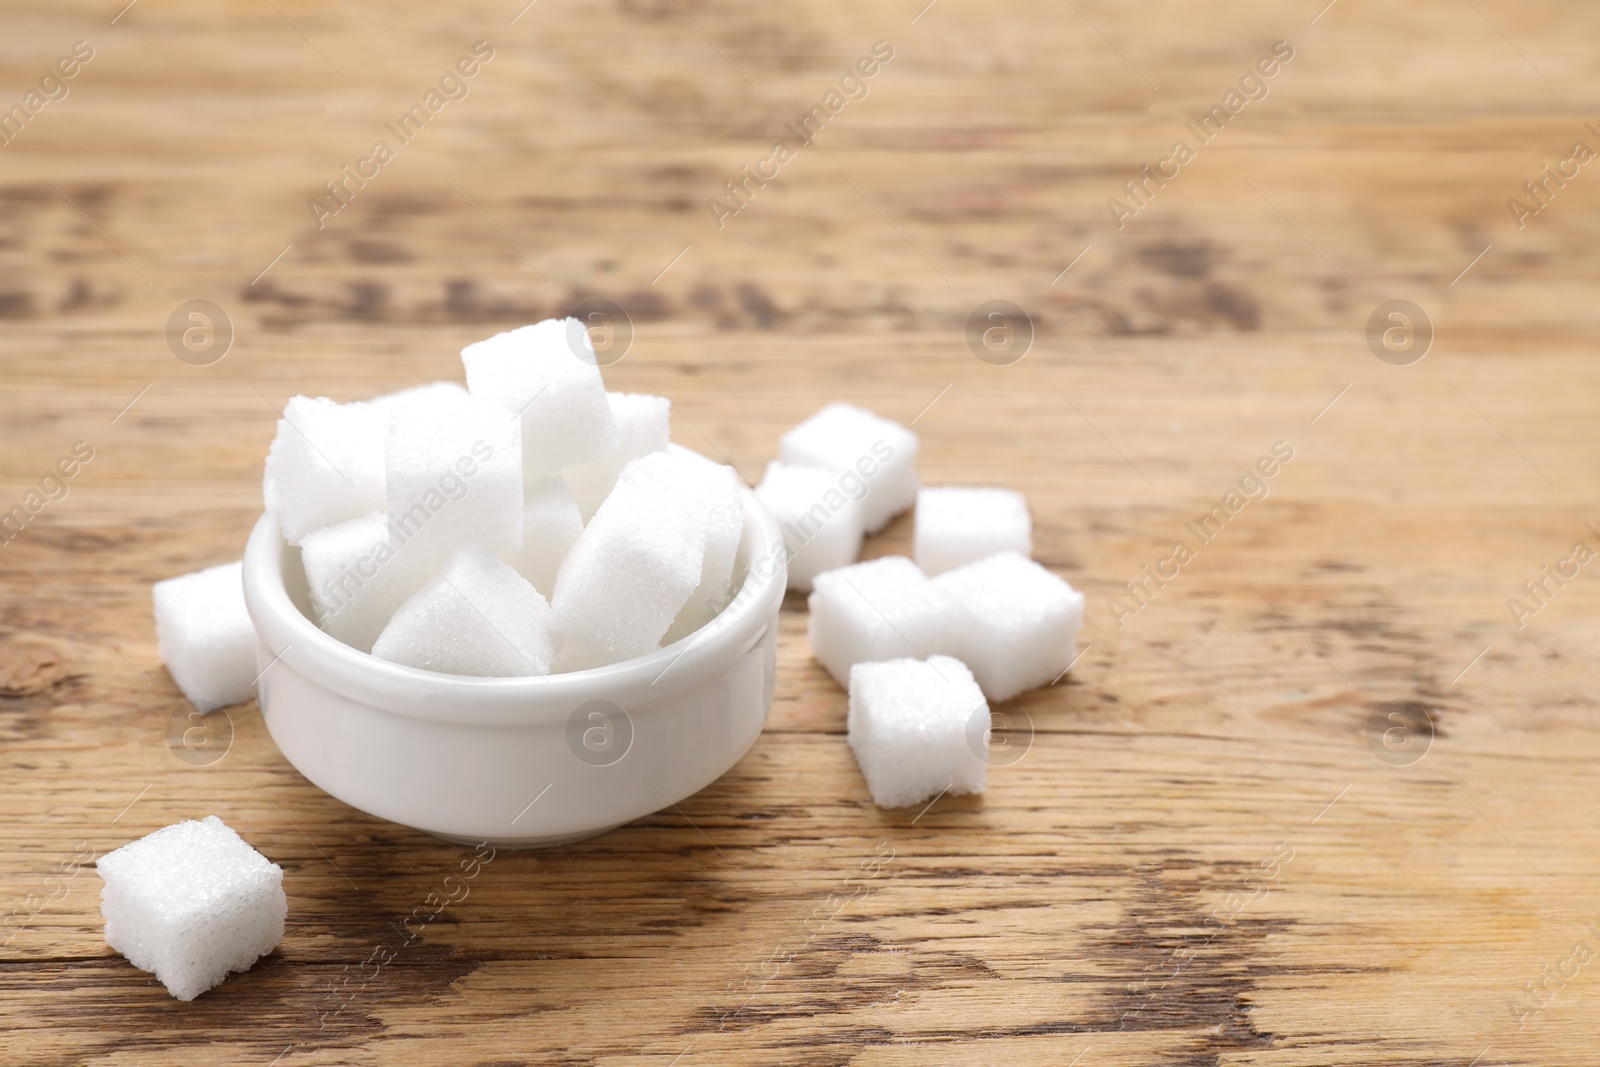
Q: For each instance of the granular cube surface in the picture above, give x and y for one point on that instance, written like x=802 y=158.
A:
x=358 y=575
x=325 y=464
x=957 y=525
x=643 y=426
x=1019 y=622
x=205 y=635
x=878 y=610
x=445 y=392
x=546 y=376
x=867 y=450
x=709 y=494
x=479 y=617
x=191 y=903
x=454 y=474
x=918 y=728
x=626 y=578
x=550 y=524
x=821 y=525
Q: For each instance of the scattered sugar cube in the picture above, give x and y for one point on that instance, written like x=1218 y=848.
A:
x=821 y=524
x=205 y=636
x=865 y=450
x=358 y=575
x=709 y=493
x=192 y=903
x=1019 y=624
x=454 y=473
x=547 y=375
x=878 y=610
x=918 y=728
x=550 y=524
x=958 y=525
x=325 y=464
x=643 y=426
x=479 y=617
x=626 y=578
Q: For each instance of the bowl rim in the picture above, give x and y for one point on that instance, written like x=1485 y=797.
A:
x=288 y=635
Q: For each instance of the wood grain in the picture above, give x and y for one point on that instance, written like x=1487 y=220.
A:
x=1206 y=855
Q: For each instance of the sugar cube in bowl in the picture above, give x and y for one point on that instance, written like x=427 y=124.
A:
x=517 y=761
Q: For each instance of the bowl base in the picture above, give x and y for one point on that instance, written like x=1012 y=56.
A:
x=524 y=842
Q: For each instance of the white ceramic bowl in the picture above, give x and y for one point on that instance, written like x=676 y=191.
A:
x=518 y=762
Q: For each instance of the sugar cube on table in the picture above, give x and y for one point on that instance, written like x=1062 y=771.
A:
x=550 y=524
x=478 y=617
x=192 y=903
x=957 y=525
x=882 y=609
x=454 y=473
x=325 y=464
x=918 y=728
x=626 y=578
x=821 y=523
x=866 y=450
x=1019 y=622
x=359 y=573
x=205 y=635
x=547 y=376
x=643 y=426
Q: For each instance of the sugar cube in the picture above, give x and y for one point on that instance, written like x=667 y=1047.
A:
x=546 y=375
x=821 y=523
x=205 y=635
x=709 y=493
x=1019 y=623
x=191 y=903
x=454 y=473
x=325 y=464
x=866 y=450
x=550 y=524
x=626 y=578
x=643 y=426
x=478 y=617
x=878 y=610
x=959 y=525
x=918 y=728
x=359 y=573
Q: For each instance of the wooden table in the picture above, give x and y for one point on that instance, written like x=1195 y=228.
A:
x=1319 y=800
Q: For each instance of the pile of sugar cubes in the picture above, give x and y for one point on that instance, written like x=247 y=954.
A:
x=525 y=524
x=922 y=646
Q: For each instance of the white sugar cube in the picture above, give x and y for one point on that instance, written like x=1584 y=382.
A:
x=205 y=636
x=865 y=450
x=358 y=575
x=878 y=610
x=1019 y=625
x=478 y=617
x=454 y=473
x=546 y=375
x=192 y=903
x=821 y=523
x=709 y=493
x=643 y=426
x=918 y=728
x=958 y=525
x=626 y=578
x=325 y=464
x=550 y=524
